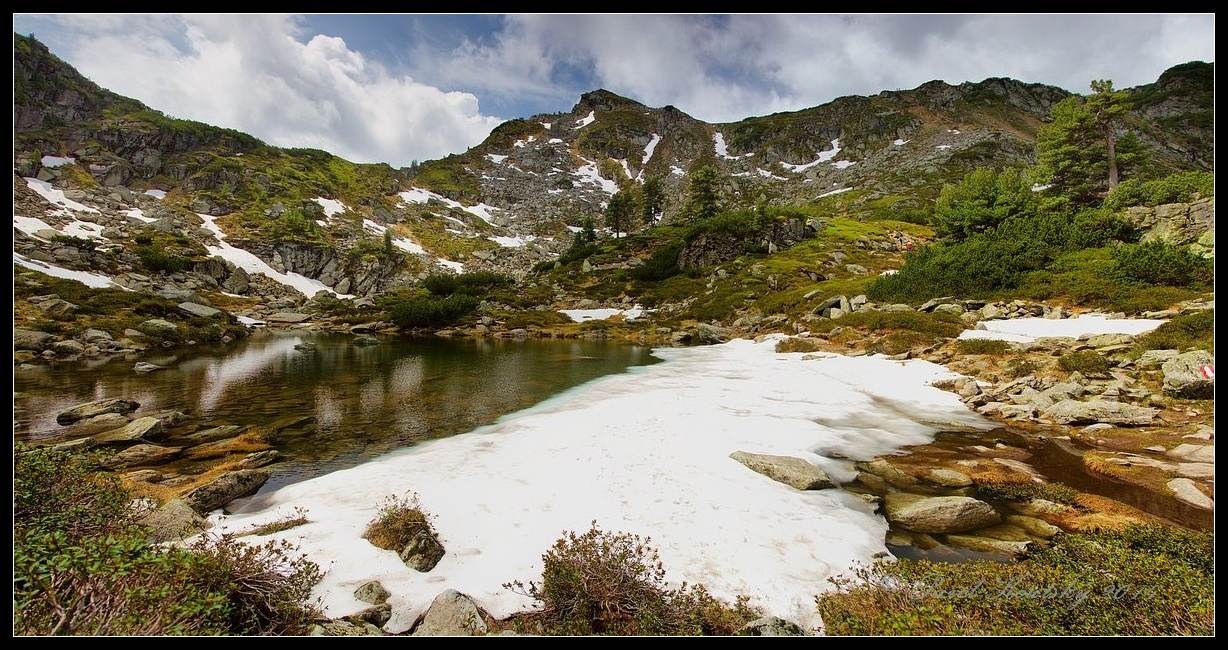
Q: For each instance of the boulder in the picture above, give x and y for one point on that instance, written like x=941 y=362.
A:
x=213 y=434
x=372 y=592
x=1183 y=375
x=988 y=544
x=158 y=327
x=173 y=521
x=145 y=428
x=68 y=347
x=24 y=339
x=225 y=488
x=1074 y=412
x=710 y=334
x=91 y=409
x=1187 y=491
x=927 y=514
x=138 y=455
x=794 y=472
x=1194 y=453
x=142 y=367
x=376 y=616
x=771 y=626
x=451 y=614
x=98 y=424
x=196 y=309
x=422 y=552
x=1154 y=358
x=94 y=336
x=948 y=478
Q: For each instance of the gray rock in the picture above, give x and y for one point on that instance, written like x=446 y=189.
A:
x=364 y=340
x=771 y=626
x=794 y=472
x=288 y=317
x=138 y=455
x=1194 y=453
x=225 y=488
x=143 y=367
x=451 y=614
x=146 y=428
x=213 y=434
x=24 y=339
x=926 y=514
x=1155 y=358
x=196 y=309
x=988 y=544
x=158 y=327
x=422 y=552
x=91 y=409
x=94 y=336
x=376 y=616
x=372 y=592
x=948 y=477
x=98 y=424
x=1093 y=411
x=68 y=347
x=172 y=522
x=1183 y=375
x=259 y=459
x=707 y=334
x=1187 y=491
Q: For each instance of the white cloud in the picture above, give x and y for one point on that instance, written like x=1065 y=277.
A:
x=262 y=75
x=727 y=68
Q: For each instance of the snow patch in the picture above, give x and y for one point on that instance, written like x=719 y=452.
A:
x=331 y=207
x=496 y=158
x=252 y=264
x=943 y=146
x=586 y=120
x=843 y=164
x=139 y=215
x=605 y=313
x=588 y=172
x=249 y=321
x=1026 y=330
x=407 y=245
x=647 y=452
x=92 y=280
x=899 y=142
x=834 y=192
x=676 y=170
x=57 y=161
x=649 y=149
x=546 y=125
x=767 y=174
x=456 y=267
x=513 y=242
x=56 y=197
x=1039 y=187
x=824 y=156
x=157 y=194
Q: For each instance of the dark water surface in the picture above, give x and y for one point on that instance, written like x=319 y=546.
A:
x=338 y=404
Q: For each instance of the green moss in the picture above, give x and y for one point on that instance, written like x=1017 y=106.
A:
x=1088 y=362
x=982 y=346
x=1195 y=330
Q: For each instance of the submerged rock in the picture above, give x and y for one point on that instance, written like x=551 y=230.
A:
x=794 y=472
x=143 y=367
x=925 y=514
x=91 y=409
x=451 y=614
x=146 y=428
x=141 y=455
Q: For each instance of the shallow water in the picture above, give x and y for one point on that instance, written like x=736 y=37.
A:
x=343 y=404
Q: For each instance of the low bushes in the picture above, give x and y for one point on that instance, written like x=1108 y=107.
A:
x=83 y=565
x=1160 y=263
x=1195 y=330
x=429 y=311
x=1175 y=188
x=1088 y=362
x=474 y=283
x=1146 y=580
x=661 y=265
x=158 y=260
x=398 y=522
x=982 y=346
x=601 y=582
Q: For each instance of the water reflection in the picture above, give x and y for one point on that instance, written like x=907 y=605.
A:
x=331 y=404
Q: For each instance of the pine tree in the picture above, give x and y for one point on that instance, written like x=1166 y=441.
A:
x=702 y=199
x=619 y=211
x=1079 y=151
x=652 y=200
x=388 y=243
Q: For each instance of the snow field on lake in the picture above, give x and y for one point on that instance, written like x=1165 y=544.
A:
x=644 y=452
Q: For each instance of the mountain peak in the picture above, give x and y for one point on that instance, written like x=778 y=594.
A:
x=602 y=99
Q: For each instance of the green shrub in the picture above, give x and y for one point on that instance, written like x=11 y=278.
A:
x=474 y=283
x=662 y=264
x=981 y=201
x=430 y=311
x=398 y=522
x=936 y=324
x=1175 y=188
x=1055 y=492
x=83 y=565
x=159 y=260
x=1148 y=580
x=1095 y=228
x=1194 y=330
x=603 y=582
x=1160 y=263
x=1088 y=362
x=982 y=346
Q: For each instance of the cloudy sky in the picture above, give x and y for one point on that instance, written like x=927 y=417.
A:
x=394 y=88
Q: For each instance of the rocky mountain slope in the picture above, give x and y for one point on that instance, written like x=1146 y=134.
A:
x=93 y=165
